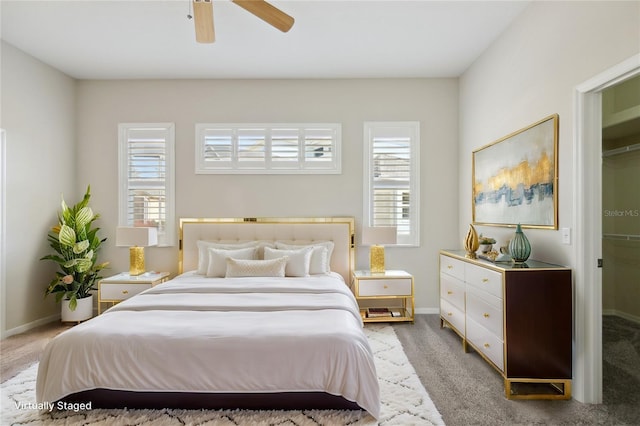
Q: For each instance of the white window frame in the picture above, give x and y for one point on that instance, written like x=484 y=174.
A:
x=166 y=237
x=267 y=164
x=404 y=129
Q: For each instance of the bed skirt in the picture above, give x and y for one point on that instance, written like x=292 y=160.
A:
x=106 y=398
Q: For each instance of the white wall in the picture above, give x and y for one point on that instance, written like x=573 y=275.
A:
x=530 y=72
x=38 y=114
x=433 y=102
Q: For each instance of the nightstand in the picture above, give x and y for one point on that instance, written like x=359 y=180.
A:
x=393 y=288
x=123 y=286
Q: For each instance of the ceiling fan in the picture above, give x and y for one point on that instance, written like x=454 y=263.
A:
x=203 y=17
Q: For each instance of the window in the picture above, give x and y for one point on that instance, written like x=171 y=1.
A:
x=268 y=148
x=146 y=186
x=392 y=178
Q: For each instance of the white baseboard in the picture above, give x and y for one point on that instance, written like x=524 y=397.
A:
x=621 y=314
x=29 y=326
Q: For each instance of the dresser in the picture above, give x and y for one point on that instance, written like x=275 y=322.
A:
x=390 y=291
x=122 y=286
x=519 y=318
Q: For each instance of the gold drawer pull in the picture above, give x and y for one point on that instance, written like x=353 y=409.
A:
x=385 y=286
x=486 y=315
x=449 y=292
x=486 y=345
x=125 y=291
x=450 y=314
x=485 y=280
x=449 y=266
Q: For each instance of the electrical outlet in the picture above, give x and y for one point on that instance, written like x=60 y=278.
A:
x=566 y=235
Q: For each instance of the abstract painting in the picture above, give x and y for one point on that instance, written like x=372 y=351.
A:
x=515 y=179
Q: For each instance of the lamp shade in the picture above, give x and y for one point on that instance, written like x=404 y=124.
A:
x=379 y=235
x=129 y=236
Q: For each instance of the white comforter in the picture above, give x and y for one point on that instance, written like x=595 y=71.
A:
x=197 y=334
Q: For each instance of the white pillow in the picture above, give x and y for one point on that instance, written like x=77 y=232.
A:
x=298 y=263
x=218 y=259
x=320 y=256
x=256 y=268
x=204 y=246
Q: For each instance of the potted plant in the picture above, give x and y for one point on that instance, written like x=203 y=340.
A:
x=486 y=243
x=76 y=246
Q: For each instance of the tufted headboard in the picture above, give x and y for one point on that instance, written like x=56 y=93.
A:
x=340 y=230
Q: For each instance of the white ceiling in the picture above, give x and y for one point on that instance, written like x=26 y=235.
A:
x=90 y=39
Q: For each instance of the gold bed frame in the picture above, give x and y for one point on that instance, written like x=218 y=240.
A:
x=283 y=228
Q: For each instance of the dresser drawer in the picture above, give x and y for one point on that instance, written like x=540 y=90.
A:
x=452 y=315
x=486 y=310
x=451 y=266
x=384 y=287
x=109 y=291
x=484 y=279
x=486 y=342
x=452 y=291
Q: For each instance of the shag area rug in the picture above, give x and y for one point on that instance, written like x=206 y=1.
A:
x=404 y=401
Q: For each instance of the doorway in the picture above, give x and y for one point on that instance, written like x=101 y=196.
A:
x=621 y=240
x=588 y=215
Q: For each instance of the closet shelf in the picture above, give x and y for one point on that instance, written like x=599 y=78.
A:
x=624 y=237
x=622 y=150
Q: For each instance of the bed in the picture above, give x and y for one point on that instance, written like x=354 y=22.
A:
x=229 y=331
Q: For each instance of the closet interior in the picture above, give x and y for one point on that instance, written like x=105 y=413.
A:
x=621 y=240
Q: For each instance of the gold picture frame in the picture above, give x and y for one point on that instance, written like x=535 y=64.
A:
x=515 y=179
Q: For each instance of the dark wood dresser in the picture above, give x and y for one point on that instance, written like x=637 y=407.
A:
x=519 y=318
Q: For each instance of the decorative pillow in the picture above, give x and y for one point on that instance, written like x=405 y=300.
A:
x=298 y=263
x=320 y=256
x=261 y=244
x=204 y=246
x=218 y=259
x=256 y=268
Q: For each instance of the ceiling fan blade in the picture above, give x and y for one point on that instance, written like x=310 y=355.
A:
x=268 y=13
x=203 y=19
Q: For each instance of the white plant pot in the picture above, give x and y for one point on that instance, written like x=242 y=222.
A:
x=485 y=248
x=83 y=311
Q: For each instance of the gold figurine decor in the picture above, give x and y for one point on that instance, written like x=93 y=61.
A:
x=471 y=242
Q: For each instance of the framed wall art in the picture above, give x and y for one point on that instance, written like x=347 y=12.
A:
x=515 y=179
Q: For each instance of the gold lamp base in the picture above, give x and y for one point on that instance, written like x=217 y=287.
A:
x=136 y=260
x=376 y=259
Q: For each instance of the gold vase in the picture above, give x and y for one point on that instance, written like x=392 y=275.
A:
x=471 y=242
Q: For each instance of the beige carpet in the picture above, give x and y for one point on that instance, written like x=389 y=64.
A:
x=20 y=351
x=467 y=391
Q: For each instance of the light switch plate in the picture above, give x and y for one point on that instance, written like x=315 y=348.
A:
x=566 y=235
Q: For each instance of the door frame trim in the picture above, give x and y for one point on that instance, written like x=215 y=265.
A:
x=3 y=234
x=587 y=212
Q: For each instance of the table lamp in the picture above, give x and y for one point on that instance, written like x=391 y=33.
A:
x=136 y=238
x=376 y=237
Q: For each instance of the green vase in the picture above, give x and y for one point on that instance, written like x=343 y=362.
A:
x=519 y=247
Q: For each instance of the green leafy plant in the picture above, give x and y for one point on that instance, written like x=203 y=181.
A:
x=486 y=240
x=76 y=245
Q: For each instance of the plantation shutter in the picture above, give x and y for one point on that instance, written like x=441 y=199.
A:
x=268 y=148
x=217 y=146
x=392 y=177
x=146 y=178
x=319 y=148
